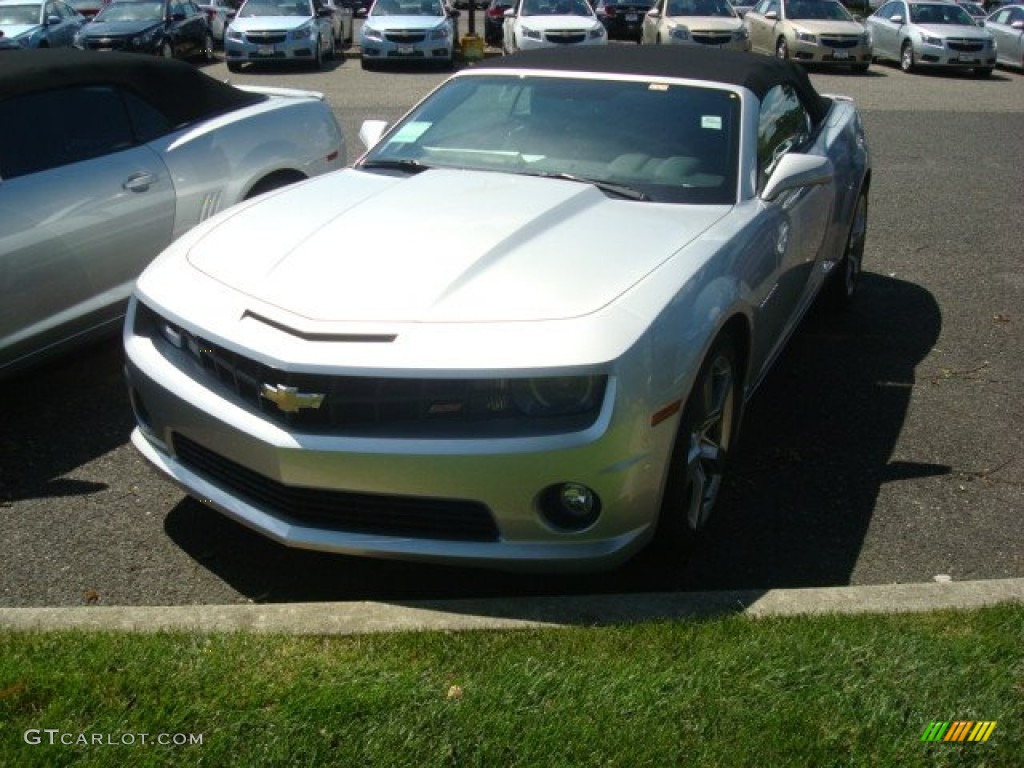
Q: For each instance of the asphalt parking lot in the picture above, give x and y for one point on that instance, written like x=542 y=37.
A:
x=887 y=446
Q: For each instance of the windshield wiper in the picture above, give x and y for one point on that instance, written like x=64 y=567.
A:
x=410 y=166
x=622 y=190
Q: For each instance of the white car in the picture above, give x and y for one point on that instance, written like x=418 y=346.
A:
x=280 y=31
x=356 y=365
x=532 y=24
x=695 y=22
x=1006 y=25
x=100 y=170
x=409 y=31
x=220 y=14
x=920 y=34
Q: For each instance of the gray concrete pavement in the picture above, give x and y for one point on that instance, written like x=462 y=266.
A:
x=349 y=618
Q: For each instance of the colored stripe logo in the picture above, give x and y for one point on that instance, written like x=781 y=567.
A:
x=958 y=730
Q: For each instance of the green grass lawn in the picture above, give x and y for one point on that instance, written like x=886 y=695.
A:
x=733 y=691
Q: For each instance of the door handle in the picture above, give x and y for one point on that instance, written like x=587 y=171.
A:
x=139 y=182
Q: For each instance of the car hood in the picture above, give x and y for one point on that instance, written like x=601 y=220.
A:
x=261 y=23
x=707 y=23
x=14 y=30
x=118 y=28
x=442 y=246
x=405 y=22
x=827 y=27
x=971 y=31
x=552 y=23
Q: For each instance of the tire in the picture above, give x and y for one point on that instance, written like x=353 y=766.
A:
x=234 y=66
x=907 y=57
x=167 y=50
x=366 y=63
x=781 y=49
x=708 y=429
x=843 y=282
x=983 y=72
x=208 y=55
x=861 y=68
x=318 y=57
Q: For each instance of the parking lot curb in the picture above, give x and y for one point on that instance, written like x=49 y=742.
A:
x=349 y=618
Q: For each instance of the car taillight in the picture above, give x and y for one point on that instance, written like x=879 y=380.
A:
x=495 y=13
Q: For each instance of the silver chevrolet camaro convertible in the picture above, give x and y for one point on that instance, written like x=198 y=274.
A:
x=455 y=351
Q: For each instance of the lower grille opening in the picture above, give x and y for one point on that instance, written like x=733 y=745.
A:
x=379 y=514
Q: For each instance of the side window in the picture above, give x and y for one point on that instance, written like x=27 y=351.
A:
x=783 y=126
x=54 y=128
x=147 y=123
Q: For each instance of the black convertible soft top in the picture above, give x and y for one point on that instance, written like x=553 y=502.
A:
x=758 y=74
x=176 y=88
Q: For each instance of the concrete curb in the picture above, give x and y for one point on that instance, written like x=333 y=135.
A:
x=514 y=613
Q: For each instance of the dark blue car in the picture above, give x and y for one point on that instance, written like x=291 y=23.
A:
x=169 y=28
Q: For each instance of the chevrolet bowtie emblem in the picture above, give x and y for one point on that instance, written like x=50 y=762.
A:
x=289 y=399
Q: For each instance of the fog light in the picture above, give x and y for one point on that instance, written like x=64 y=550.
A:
x=570 y=506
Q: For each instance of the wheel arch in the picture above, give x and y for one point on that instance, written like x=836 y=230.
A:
x=274 y=180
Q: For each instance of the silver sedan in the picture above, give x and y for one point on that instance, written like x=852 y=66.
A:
x=1007 y=27
x=550 y=383
x=926 y=33
x=99 y=171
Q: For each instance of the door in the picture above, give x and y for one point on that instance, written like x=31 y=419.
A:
x=83 y=208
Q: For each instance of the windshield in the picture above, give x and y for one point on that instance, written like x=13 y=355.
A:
x=810 y=10
x=19 y=14
x=275 y=8
x=556 y=8
x=700 y=8
x=131 y=12
x=667 y=143
x=407 y=8
x=939 y=13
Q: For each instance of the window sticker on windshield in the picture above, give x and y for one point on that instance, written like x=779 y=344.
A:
x=410 y=132
x=713 y=122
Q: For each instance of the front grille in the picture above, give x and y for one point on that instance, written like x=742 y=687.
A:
x=107 y=44
x=565 y=38
x=405 y=38
x=712 y=38
x=965 y=46
x=840 y=42
x=266 y=38
x=410 y=516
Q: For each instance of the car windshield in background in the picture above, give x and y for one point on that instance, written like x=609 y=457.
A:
x=556 y=8
x=939 y=13
x=131 y=12
x=416 y=8
x=274 y=8
x=19 y=14
x=816 y=9
x=700 y=8
x=650 y=140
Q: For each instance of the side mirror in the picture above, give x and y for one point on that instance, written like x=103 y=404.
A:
x=510 y=13
x=654 y=13
x=796 y=171
x=1017 y=25
x=179 y=16
x=896 y=18
x=773 y=15
x=371 y=131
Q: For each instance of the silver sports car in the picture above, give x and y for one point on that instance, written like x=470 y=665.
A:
x=455 y=351
x=106 y=158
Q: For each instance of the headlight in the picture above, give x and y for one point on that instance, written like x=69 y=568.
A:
x=806 y=37
x=558 y=395
x=865 y=39
x=740 y=34
x=441 y=33
x=597 y=32
x=679 y=33
x=533 y=34
x=302 y=33
x=232 y=34
x=929 y=40
x=146 y=37
x=370 y=33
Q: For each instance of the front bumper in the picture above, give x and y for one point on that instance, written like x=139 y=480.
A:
x=823 y=53
x=458 y=501
x=944 y=56
x=415 y=48
x=284 y=49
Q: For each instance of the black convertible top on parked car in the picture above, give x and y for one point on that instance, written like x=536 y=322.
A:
x=759 y=74
x=176 y=88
